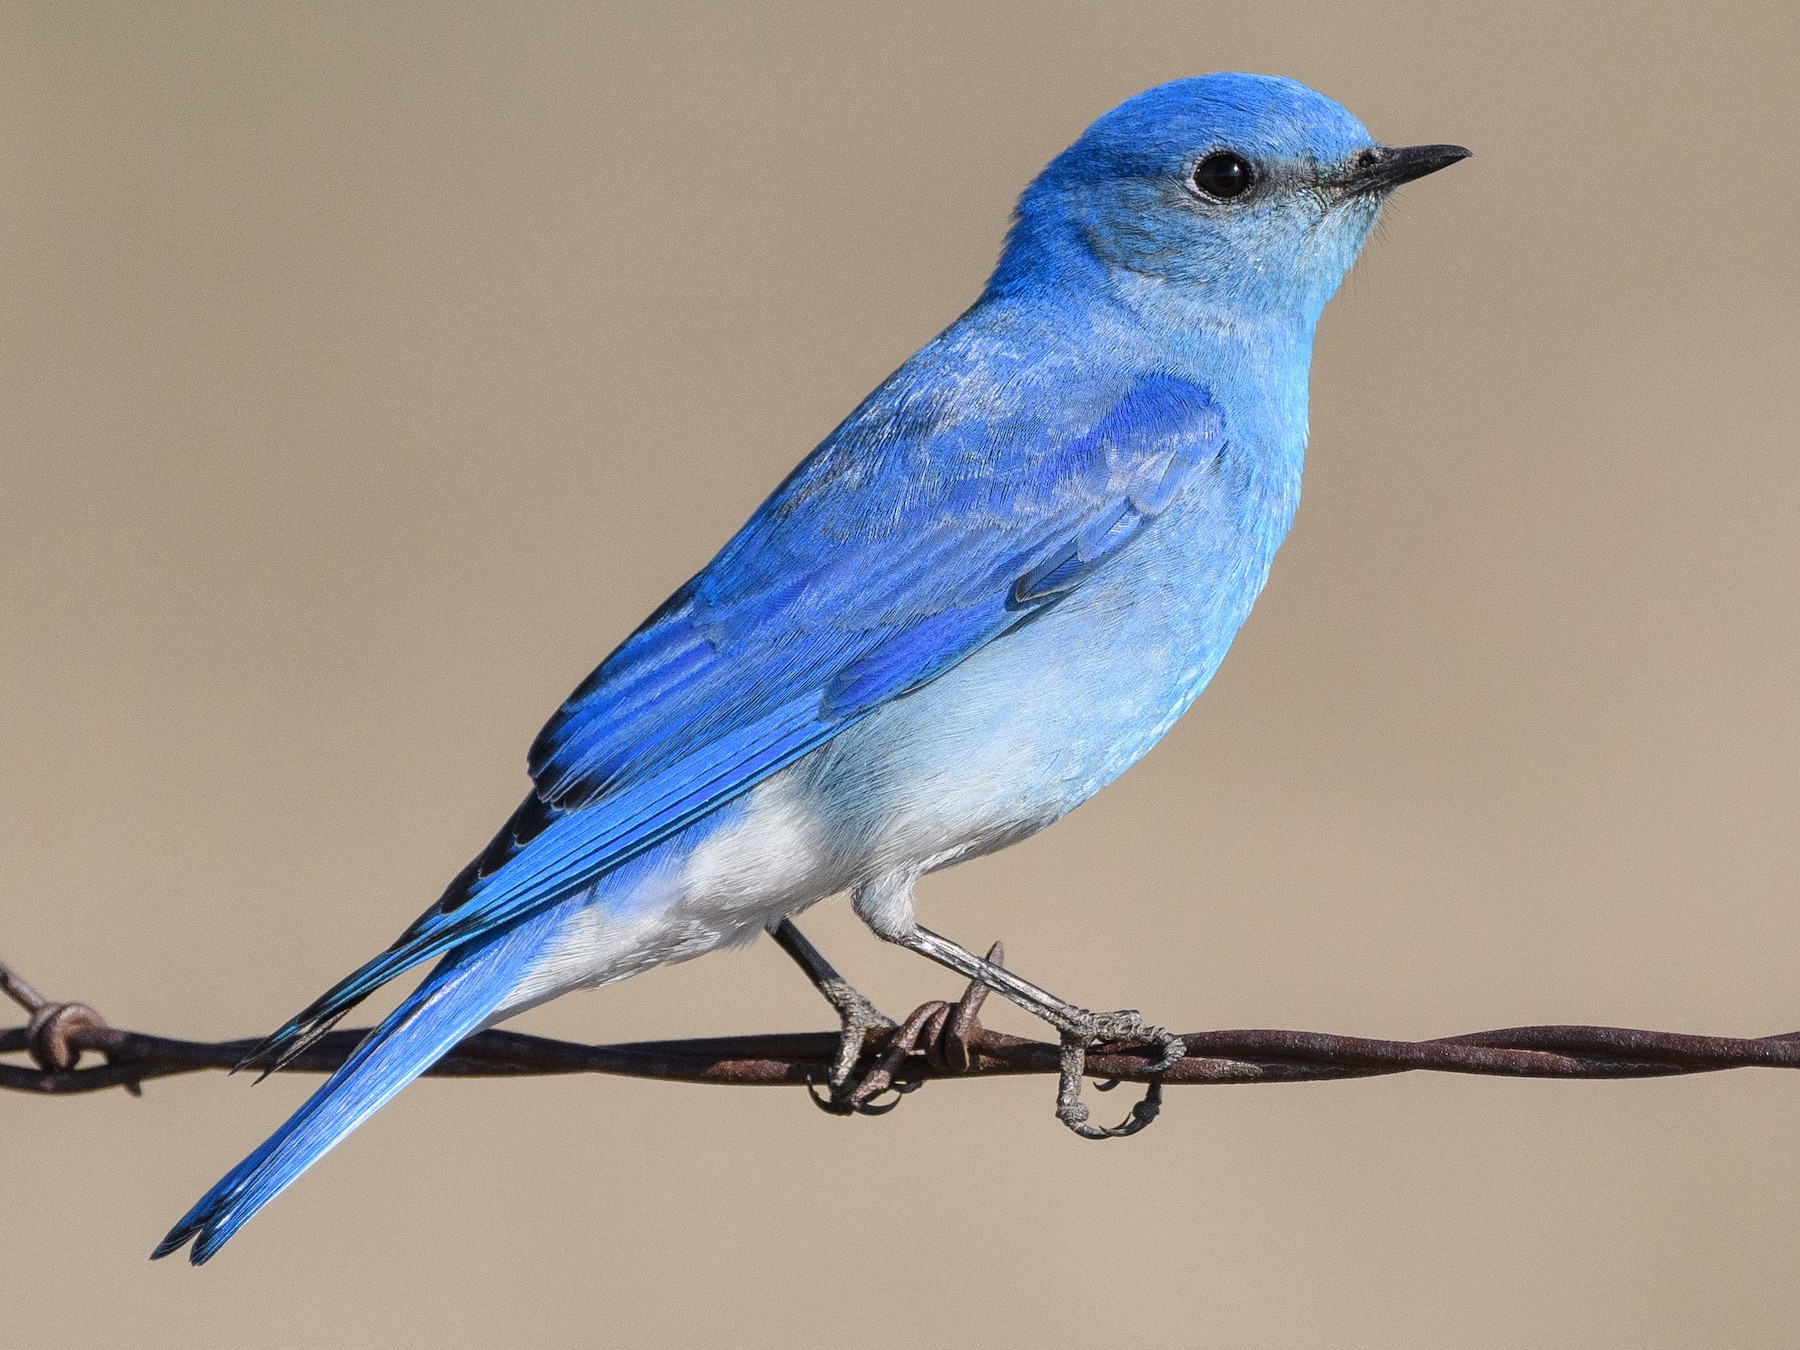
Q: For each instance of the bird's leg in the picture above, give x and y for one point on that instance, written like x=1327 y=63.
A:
x=1079 y=1029
x=857 y=1015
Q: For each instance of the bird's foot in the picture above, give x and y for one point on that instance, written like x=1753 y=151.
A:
x=1080 y=1031
x=1084 y=1030
x=941 y=1031
x=857 y=1017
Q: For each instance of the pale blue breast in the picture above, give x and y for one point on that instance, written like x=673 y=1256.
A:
x=1033 y=725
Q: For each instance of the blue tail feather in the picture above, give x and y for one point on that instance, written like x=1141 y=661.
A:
x=452 y=1002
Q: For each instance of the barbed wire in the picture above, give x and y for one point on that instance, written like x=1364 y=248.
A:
x=939 y=1040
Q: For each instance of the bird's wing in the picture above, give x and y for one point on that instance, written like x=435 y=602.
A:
x=908 y=541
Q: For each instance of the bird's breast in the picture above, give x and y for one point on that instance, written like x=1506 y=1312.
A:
x=1039 y=720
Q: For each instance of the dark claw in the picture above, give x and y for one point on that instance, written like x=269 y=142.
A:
x=847 y=1106
x=942 y=1032
x=827 y=1102
x=868 y=1107
x=1142 y=1113
x=871 y=1109
x=1117 y=1028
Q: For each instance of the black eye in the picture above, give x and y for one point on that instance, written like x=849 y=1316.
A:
x=1224 y=174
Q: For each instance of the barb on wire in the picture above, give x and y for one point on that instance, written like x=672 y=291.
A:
x=930 y=1044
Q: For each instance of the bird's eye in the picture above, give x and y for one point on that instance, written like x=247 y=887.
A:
x=1224 y=174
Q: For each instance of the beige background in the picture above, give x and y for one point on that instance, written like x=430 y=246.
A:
x=368 y=371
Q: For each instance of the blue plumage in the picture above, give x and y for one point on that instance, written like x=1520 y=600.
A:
x=984 y=595
x=751 y=671
x=451 y=1002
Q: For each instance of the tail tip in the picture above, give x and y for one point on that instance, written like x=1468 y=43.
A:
x=207 y=1231
x=177 y=1237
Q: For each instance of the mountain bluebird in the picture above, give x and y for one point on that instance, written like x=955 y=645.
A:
x=981 y=599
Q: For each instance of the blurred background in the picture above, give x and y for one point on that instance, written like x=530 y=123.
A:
x=367 y=371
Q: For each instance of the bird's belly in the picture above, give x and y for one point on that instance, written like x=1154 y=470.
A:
x=717 y=883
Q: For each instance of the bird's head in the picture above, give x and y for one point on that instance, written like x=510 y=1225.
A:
x=1244 y=198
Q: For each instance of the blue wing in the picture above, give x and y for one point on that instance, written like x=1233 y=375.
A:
x=915 y=535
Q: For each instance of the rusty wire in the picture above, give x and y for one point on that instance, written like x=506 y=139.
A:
x=939 y=1040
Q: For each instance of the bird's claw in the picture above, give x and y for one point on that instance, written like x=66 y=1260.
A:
x=857 y=1017
x=1115 y=1028
x=941 y=1031
x=944 y=1034
x=849 y=1102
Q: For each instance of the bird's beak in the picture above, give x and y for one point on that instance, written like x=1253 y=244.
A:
x=1377 y=172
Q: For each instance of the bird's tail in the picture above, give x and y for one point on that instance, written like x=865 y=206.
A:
x=453 y=1001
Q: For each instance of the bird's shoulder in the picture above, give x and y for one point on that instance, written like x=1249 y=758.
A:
x=1003 y=417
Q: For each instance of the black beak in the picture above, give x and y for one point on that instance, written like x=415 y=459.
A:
x=1377 y=172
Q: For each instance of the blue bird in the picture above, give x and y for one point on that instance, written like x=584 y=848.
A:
x=981 y=599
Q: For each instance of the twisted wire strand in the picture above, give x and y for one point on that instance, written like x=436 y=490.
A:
x=57 y=1036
